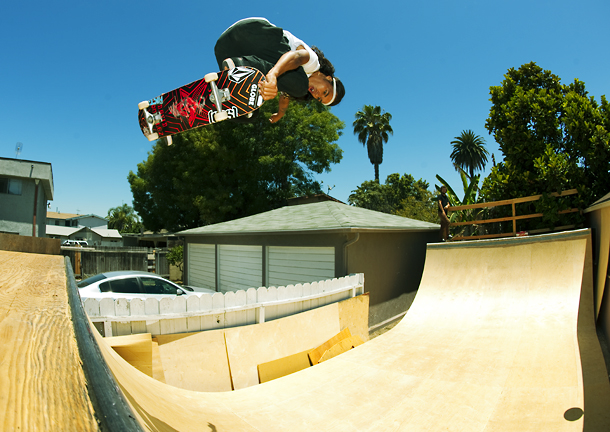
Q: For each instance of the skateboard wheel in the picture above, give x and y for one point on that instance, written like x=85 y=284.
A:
x=153 y=136
x=143 y=105
x=221 y=116
x=211 y=77
x=169 y=140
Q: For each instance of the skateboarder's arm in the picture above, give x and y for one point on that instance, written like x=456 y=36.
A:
x=282 y=107
x=289 y=61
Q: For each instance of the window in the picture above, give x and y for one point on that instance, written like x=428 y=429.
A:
x=125 y=286
x=157 y=286
x=89 y=281
x=10 y=186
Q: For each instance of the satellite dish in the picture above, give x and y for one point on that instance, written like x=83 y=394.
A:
x=18 y=148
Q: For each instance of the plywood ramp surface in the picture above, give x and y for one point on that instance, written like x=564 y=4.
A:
x=499 y=338
x=42 y=384
x=137 y=349
x=226 y=359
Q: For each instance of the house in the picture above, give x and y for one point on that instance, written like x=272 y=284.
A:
x=312 y=242
x=76 y=220
x=92 y=228
x=25 y=188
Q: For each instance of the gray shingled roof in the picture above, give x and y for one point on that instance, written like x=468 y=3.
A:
x=324 y=216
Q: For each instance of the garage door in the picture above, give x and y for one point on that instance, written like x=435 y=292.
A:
x=291 y=265
x=202 y=266
x=240 y=267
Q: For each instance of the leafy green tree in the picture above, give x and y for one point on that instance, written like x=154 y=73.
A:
x=469 y=152
x=373 y=129
x=399 y=195
x=231 y=170
x=175 y=257
x=124 y=219
x=553 y=137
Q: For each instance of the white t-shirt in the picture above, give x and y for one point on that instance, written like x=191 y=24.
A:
x=313 y=64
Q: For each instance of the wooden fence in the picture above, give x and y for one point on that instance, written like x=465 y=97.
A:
x=161 y=264
x=514 y=218
x=87 y=262
x=213 y=311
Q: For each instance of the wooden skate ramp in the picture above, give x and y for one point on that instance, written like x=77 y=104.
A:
x=500 y=337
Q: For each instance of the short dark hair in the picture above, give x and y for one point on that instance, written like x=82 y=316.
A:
x=326 y=67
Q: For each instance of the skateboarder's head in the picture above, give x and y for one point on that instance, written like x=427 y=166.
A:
x=327 y=69
x=326 y=89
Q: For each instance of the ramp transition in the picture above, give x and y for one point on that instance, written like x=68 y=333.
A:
x=501 y=337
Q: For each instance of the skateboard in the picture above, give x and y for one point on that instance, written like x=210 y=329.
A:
x=216 y=97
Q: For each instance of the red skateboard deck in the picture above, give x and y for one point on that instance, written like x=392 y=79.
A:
x=194 y=105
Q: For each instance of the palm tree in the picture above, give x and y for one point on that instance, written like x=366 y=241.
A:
x=372 y=128
x=469 y=152
x=124 y=219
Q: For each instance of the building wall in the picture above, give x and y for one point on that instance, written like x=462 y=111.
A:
x=92 y=222
x=392 y=264
x=599 y=221
x=17 y=211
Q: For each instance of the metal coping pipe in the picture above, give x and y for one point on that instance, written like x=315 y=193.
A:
x=112 y=411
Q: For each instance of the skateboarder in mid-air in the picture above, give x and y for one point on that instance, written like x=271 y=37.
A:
x=258 y=60
x=290 y=66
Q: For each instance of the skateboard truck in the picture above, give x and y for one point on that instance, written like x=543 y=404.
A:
x=225 y=94
x=151 y=120
x=218 y=96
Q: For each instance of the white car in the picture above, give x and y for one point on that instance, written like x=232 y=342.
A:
x=75 y=243
x=130 y=284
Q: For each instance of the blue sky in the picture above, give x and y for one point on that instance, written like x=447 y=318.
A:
x=73 y=72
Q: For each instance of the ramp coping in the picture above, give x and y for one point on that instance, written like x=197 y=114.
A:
x=112 y=410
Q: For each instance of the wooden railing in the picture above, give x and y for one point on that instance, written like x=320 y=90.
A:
x=514 y=218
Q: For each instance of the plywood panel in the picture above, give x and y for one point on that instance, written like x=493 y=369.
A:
x=250 y=346
x=135 y=349
x=341 y=347
x=316 y=354
x=195 y=361
x=42 y=384
x=284 y=366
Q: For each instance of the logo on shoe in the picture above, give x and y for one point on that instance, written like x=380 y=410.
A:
x=239 y=74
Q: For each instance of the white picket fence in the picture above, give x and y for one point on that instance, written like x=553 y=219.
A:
x=213 y=311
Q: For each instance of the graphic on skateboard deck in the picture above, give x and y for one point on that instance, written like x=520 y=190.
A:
x=216 y=97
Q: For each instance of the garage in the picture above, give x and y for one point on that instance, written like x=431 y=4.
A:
x=239 y=267
x=313 y=242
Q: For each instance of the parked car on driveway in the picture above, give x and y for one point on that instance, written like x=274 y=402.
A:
x=75 y=243
x=130 y=284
